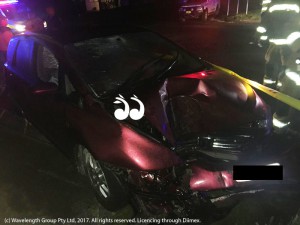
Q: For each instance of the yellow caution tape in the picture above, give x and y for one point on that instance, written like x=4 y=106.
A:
x=293 y=102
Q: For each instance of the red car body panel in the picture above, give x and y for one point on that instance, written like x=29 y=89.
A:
x=117 y=143
x=196 y=102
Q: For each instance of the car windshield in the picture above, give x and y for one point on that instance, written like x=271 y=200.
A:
x=16 y=12
x=108 y=62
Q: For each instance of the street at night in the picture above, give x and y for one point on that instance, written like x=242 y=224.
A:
x=38 y=181
x=230 y=45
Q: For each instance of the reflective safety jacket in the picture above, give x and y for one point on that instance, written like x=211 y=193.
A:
x=280 y=21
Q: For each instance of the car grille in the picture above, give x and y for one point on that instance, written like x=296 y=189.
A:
x=225 y=147
x=232 y=144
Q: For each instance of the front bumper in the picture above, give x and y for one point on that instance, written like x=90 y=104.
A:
x=190 y=14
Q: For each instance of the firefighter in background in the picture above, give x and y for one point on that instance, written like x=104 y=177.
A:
x=5 y=36
x=279 y=24
x=287 y=118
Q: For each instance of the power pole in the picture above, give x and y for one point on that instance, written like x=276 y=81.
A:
x=237 y=7
x=228 y=7
x=247 y=5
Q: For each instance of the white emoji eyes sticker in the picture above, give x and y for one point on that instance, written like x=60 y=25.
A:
x=135 y=114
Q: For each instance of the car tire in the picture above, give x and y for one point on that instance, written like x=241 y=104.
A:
x=204 y=16
x=110 y=192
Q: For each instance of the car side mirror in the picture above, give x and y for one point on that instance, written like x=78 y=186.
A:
x=45 y=88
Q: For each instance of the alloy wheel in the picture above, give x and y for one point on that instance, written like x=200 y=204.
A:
x=110 y=191
x=96 y=175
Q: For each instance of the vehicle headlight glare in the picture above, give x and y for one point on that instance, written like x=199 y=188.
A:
x=20 y=27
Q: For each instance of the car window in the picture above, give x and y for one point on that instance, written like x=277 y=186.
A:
x=47 y=65
x=23 y=61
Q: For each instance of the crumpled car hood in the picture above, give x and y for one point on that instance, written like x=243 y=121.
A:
x=202 y=103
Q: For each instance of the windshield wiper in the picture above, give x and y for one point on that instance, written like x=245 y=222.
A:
x=137 y=75
x=168 y=68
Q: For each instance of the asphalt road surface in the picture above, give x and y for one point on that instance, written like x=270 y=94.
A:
x=37 y=181
x=225 y=44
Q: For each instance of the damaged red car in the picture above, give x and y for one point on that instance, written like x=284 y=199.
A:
x=176 y=156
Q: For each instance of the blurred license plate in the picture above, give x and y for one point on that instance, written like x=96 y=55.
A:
x=188 y=12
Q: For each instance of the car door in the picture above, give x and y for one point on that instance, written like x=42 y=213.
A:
x=39 y=89
x=48 y=108
x=20 y=65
